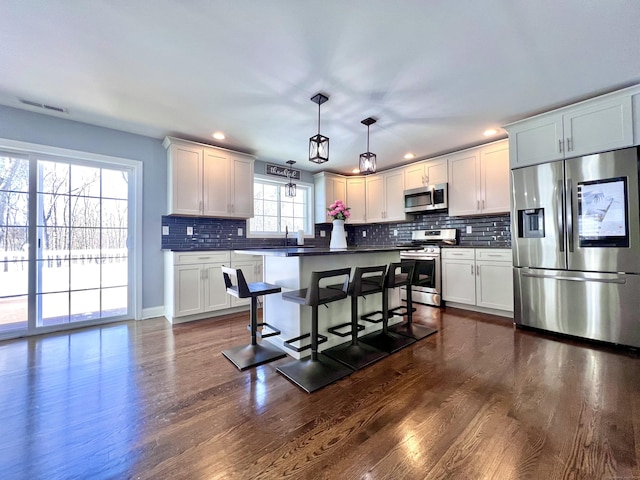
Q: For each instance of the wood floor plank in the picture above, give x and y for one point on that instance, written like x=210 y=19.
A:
x=149 y=400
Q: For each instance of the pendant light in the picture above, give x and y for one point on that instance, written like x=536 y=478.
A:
x=290 y=188
x=319 y=144
x=368 y=159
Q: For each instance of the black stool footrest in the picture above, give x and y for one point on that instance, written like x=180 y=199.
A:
x=273 y=333
x=399 y=311
x=288 y=343
x=335 y=329
x=369 y=317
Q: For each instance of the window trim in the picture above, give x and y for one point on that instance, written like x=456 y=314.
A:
x=78 y=156
x=310 y=207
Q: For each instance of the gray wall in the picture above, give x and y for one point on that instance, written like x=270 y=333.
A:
x=32 y=127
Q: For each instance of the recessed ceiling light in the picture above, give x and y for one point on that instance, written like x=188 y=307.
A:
x=409 y=156
x=219 y=136
x=355 y=170
x=490 y=132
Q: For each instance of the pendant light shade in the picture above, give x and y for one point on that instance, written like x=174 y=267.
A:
x=290 y=188
x=368 y=159
x=319 y=144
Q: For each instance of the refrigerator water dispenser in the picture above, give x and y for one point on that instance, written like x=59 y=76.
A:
x=531 y=223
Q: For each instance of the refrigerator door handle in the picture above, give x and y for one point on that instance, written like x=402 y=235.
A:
x=620 y=281
x=570 y=214
x=560 y=216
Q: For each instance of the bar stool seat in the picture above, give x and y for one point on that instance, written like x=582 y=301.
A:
x=409 y=328
x=318 y=370
x=398 y=274
x=355 y=354
x=255 y=353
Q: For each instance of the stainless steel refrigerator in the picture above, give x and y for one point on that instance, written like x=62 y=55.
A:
x=576 y=246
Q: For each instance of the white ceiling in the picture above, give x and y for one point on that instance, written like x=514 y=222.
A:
x=434 y=73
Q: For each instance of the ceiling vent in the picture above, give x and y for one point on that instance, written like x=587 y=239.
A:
x=31 y=103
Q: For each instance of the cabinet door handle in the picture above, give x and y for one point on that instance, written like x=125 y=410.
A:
x=483 y=204
x=471 y=269
x=477 y=204
x=569 y=144
x=559 y=145
x=478 y=270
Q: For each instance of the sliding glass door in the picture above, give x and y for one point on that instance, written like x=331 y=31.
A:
x=77 y=270
x=14 y=243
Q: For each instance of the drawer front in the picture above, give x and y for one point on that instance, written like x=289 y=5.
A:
x=497 y=255
x=189 y=258
x=458 y=253
x=240 y=257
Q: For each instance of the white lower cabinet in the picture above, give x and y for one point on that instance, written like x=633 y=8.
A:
x=478 y=279
x=194 y=285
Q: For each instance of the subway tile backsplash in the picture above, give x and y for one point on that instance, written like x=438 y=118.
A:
x=218 y=233
x=486 y=231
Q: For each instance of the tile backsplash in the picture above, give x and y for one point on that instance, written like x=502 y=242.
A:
x=222 y=233
x=486 y=231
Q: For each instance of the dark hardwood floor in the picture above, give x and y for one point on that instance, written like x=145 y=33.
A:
x=477 y=400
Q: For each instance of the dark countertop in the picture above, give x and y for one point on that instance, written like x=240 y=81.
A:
x=315 y=251
x=477 y=246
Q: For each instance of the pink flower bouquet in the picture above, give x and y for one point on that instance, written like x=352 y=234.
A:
x=338 y=211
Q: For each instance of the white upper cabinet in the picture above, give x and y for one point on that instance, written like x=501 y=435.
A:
x=385 y=197
x=357 y=200
x=208 y=181
x=595 y=125
x=328 y=188
x=423 y=174
x=494 y=178
x=479 y=180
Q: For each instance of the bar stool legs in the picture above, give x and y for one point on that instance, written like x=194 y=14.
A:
x=317 y=371
x=254 y=354
x=408 y=328
x=385 y=339
x=355 y=354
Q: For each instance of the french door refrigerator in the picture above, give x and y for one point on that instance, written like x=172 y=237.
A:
x=576 y=246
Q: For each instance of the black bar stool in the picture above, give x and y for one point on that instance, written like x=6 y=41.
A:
x=422 y=275
x=398 y=274
x=318 y=370
x=366 y=281
x=255 y=353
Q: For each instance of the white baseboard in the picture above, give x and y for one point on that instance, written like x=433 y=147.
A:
x=475 y=308
x=152 y=312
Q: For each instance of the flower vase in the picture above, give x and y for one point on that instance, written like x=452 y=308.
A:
x=338 y=235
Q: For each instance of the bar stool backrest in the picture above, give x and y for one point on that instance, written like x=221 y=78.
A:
x=240 y=289
x=368 y=280
x=400 y=273
x=314 y=296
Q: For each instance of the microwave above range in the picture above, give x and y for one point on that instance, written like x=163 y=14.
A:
x=425 y=199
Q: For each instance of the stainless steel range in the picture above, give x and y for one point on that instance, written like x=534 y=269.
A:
x=427 y=280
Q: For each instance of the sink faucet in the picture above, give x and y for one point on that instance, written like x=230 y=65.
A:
x=286 y=235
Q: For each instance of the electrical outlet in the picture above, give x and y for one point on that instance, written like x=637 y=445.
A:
x=165 y=230
x=323 y=233
x=189 y=230
x=364 y=233
x=469 y=229
x=395 y=232
x=240 y=232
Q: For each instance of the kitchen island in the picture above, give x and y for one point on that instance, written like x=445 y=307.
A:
x=290 y=268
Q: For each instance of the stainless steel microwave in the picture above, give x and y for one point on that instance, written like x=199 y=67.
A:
x=424 y=199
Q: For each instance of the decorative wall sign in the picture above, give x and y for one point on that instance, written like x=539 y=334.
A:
x=282 y=171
